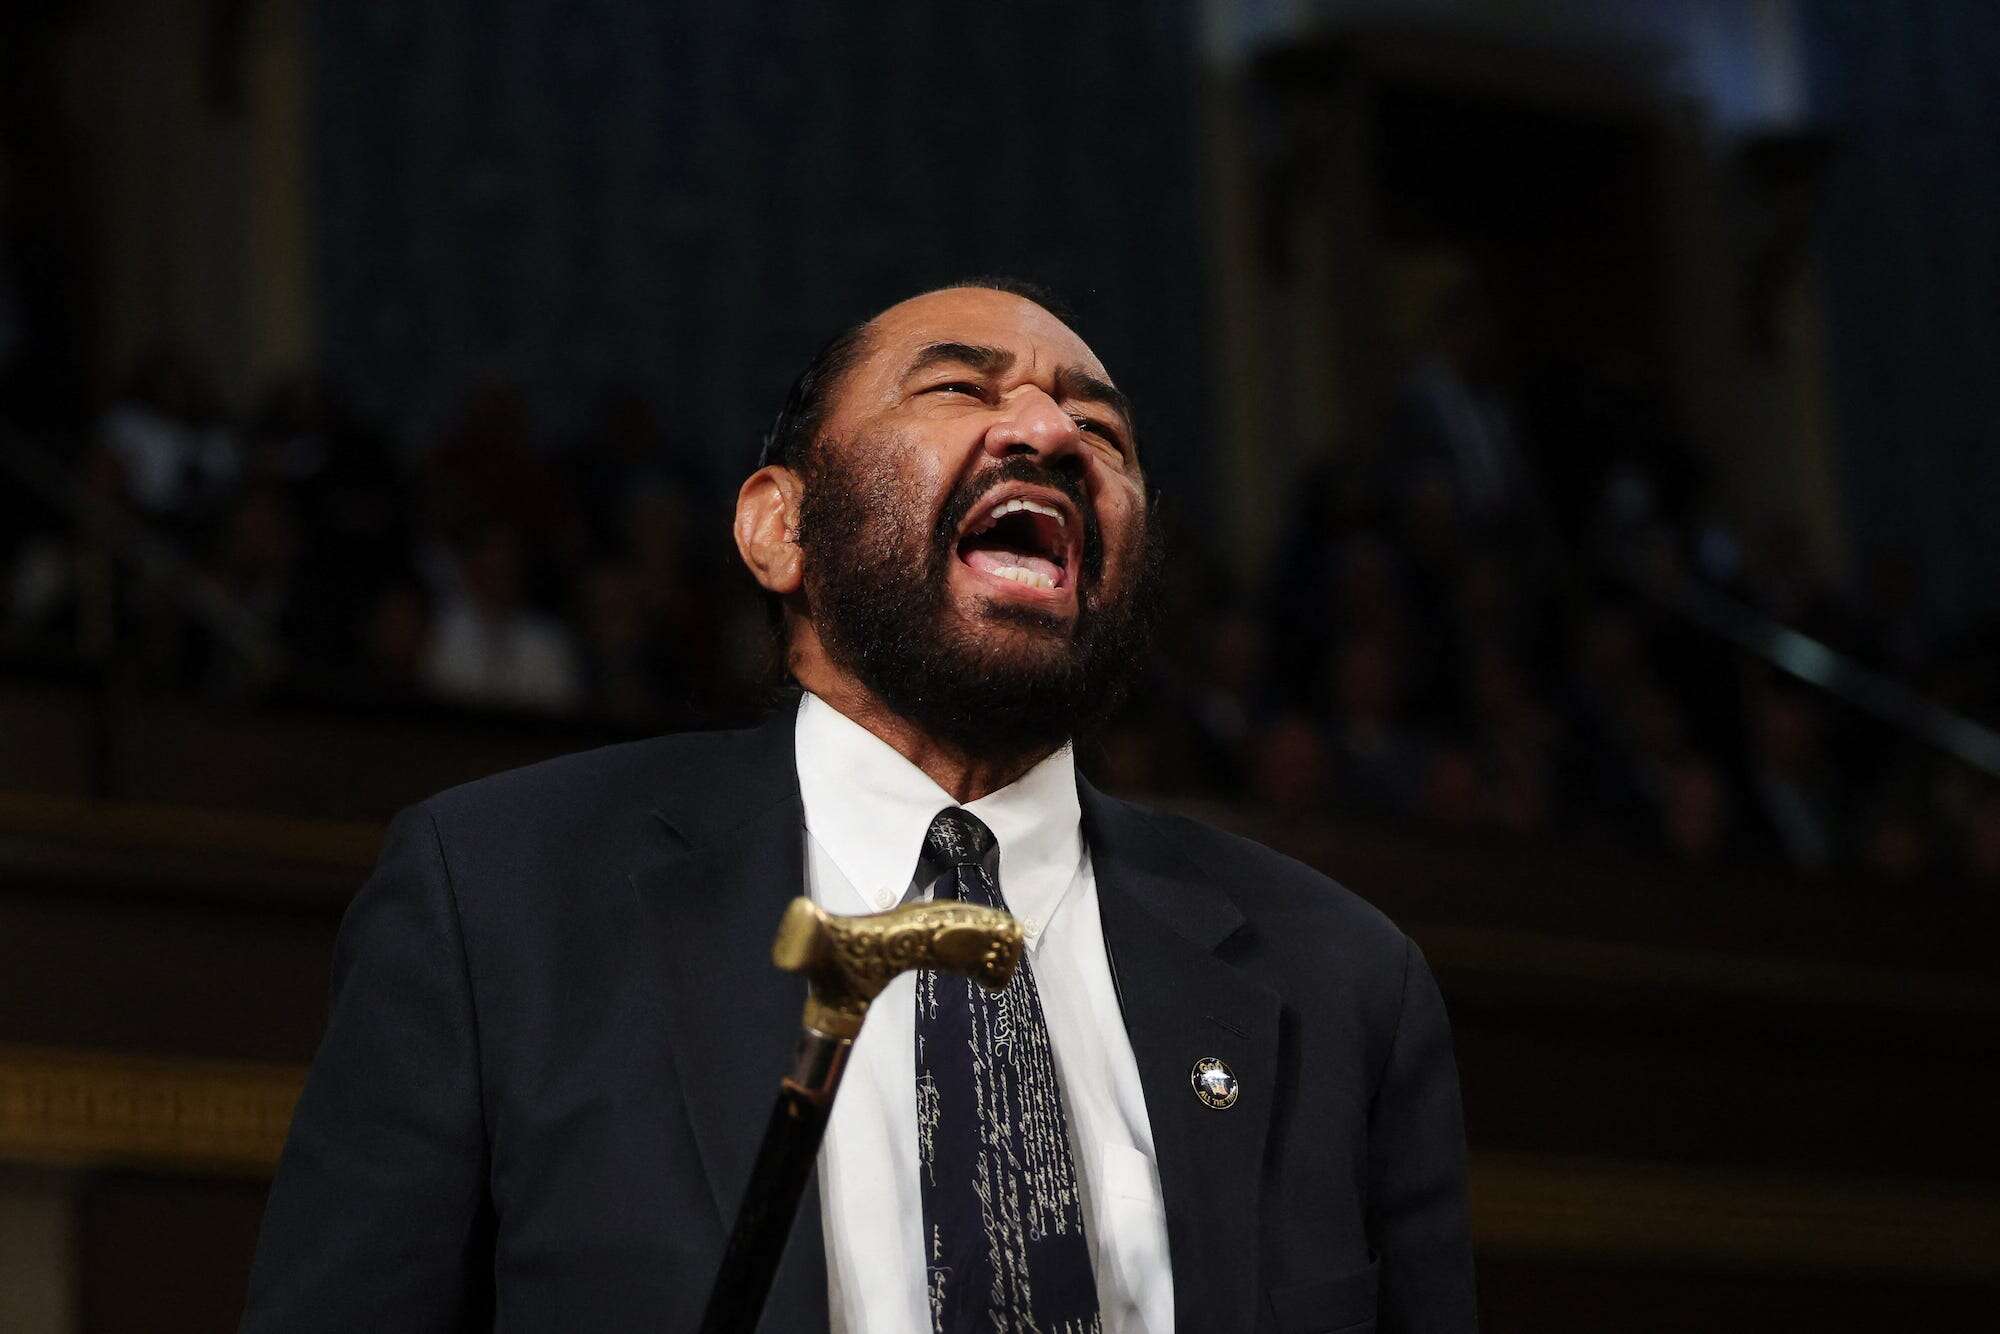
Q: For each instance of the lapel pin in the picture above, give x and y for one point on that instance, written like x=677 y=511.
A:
x=1214 y=1083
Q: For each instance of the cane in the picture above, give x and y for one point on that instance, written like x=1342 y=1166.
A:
x=846 y=962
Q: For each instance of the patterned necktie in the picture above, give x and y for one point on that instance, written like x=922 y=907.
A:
x=1003 y=1225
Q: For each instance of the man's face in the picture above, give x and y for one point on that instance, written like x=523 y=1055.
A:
x=974 y=526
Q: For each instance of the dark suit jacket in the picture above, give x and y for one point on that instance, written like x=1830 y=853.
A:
x=556 y=1036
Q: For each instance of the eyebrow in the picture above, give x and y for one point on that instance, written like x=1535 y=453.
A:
x=1088 y=388
x=985 y=360
x=1071 y=382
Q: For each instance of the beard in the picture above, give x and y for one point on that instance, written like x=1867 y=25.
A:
x=1014 y=680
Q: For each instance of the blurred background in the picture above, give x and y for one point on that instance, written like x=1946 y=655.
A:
x=1577 y=423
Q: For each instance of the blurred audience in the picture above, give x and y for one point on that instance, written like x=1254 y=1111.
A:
x=1453 y=433
x=167 y=431
x=487 y=646
x=1445 y=637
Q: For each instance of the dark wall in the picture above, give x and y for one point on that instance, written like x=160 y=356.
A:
x=690 y=197
x=1910 y=217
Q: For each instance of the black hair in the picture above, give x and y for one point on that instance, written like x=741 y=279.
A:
x=797 y=426
x=799 y=421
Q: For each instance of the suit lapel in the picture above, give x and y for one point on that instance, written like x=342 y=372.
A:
x=713 y=900
x=1162 y=926
x=732 y=1019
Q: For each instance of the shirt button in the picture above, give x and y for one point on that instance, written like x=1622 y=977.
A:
x=1032 y=925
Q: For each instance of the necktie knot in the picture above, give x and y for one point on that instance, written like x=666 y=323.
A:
x=957 y=837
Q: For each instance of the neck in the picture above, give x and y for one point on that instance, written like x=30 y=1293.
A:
x=966 y=777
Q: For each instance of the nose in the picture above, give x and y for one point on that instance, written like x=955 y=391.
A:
x=1031 y=422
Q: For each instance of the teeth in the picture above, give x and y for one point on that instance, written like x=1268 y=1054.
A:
x=1005 y=508
x=1036 y=507
x=1032 y=578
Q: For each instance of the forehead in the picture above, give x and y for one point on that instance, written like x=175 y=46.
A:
x=982 y=317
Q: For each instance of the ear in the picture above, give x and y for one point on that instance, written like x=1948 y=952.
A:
x=767 y=528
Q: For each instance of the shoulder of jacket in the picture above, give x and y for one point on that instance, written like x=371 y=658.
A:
x=586 y=785
x=1265 y=882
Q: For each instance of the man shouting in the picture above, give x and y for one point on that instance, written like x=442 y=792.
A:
x=1218 y=1095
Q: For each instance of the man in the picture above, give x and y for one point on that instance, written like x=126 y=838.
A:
x=1219 y=1096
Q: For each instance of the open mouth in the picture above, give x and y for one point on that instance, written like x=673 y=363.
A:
x=1029 y=540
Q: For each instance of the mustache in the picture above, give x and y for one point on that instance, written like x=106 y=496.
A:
x=967 y=496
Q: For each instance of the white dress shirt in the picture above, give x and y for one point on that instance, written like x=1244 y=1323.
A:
x=866 y=811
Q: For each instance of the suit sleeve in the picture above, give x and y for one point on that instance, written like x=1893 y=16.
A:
x=378 y=1218
x=1417 y=1220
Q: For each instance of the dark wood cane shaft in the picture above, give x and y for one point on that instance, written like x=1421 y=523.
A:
x=784 y=1165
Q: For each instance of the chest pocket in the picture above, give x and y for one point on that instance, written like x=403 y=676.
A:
x=1342 y=1305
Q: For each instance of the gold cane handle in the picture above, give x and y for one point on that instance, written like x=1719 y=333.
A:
x=848 y=960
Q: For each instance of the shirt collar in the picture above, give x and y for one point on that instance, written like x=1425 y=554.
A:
x=867 y=807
